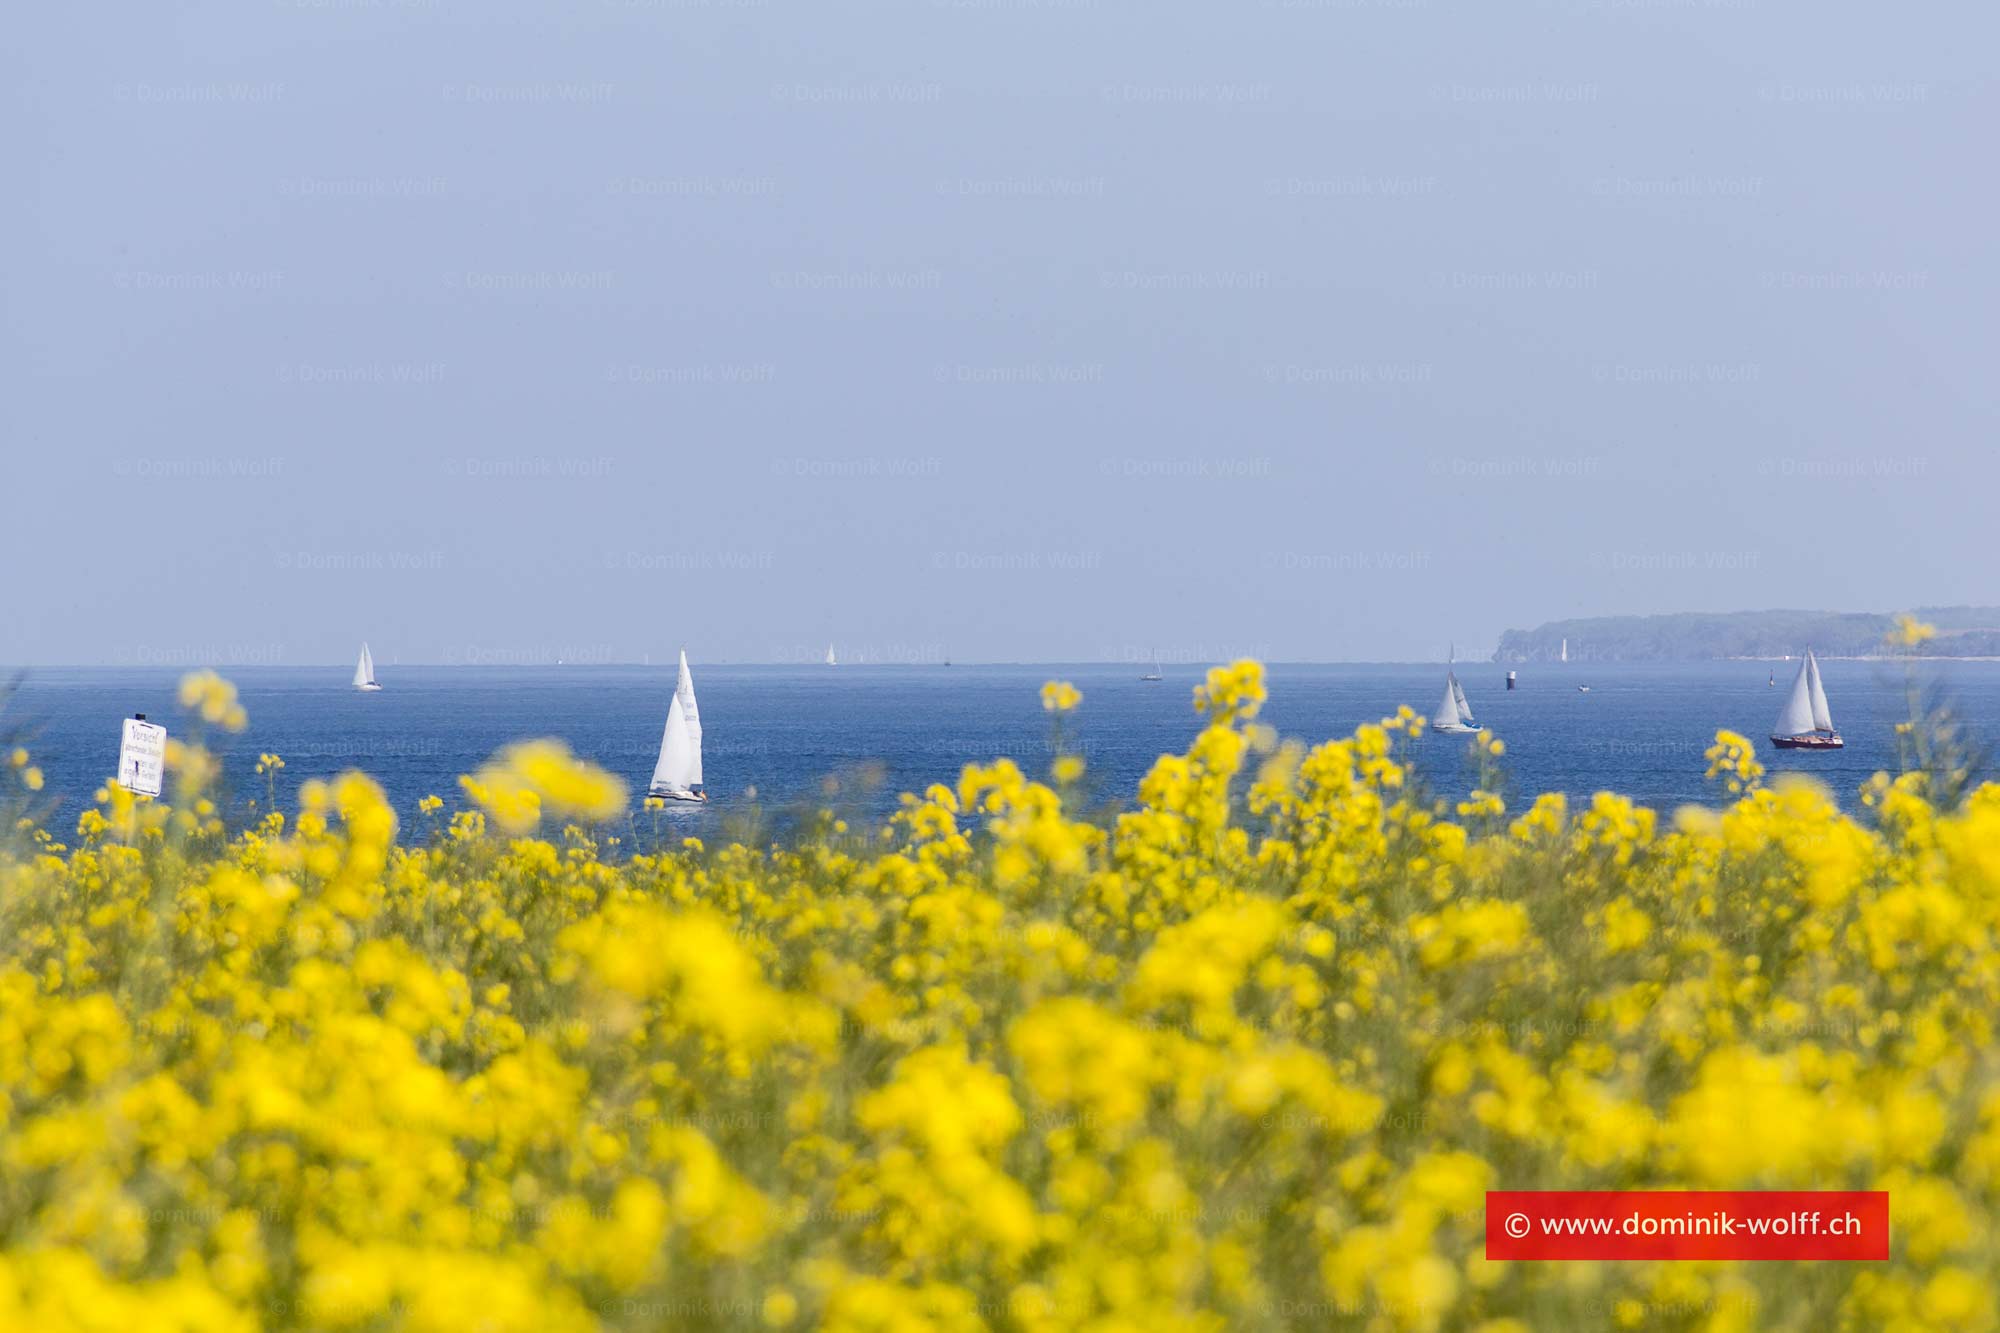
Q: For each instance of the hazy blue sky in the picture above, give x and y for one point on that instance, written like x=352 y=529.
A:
x=997 y=329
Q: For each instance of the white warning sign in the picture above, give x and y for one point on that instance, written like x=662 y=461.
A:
x=142 y=756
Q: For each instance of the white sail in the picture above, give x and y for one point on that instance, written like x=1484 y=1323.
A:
x=1822 y=720
x=829 y=656
x=1565 y=651
x=1796 y=718
x=684 y=696
x=1447 y=714
x=679 y=768
x=1458 y=696
x=364 y=670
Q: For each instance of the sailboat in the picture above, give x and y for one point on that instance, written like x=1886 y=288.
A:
x=829 y=656
x=677 y=775
x=1564 y=655
x=1154 y=674
x=1454 y=714
x=364 y=671
x=1804 y=723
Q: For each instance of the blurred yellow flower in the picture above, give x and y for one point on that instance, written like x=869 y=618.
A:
x=213 y=699
x=1908 y=632
x=1059 y=696
x=518 y=785
x=1247 y=1052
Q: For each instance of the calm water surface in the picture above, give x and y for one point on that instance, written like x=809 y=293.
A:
x=782 y=732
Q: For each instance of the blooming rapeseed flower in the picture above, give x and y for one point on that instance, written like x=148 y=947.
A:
x=1059 y=696
x=1247 y=1054
x=1908 y=632
x=213 y=699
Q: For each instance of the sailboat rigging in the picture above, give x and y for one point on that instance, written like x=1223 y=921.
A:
x=1454 y=715
x=1154 y=674
x=677 y=775
x=364 y=670
x=1805 y=722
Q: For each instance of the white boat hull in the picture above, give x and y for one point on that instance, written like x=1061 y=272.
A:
x=367 y=688
x=1456 y=729
x=677 y=794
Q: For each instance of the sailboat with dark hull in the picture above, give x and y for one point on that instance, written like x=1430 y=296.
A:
x=1805 y=723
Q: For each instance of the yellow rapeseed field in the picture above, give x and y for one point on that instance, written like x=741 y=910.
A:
x=1247 y=1055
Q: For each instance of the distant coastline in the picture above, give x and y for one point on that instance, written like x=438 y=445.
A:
x=1966 y=633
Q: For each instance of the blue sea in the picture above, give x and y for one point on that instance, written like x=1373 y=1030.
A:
x=780 y=740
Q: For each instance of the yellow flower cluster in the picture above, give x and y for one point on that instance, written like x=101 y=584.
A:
x=1059 y=696
x=213 y=699
x=527 y=780
x=1909 y=632
x=1246 y=1056
x=29 y=774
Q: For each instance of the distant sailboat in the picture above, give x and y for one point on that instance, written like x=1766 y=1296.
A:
x=364 y=671
x=1154 y=674
x=829 y=656
x=1454 y=714
x=1564 y=655
x=1804 y=723
x=677 y=775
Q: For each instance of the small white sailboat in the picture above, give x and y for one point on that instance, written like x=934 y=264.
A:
x=1454 y=715
x=677 y=775
x=830 y=660
x=364 y=671
x=1564 y=655
x=1805 y=723
x=1154 y=674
